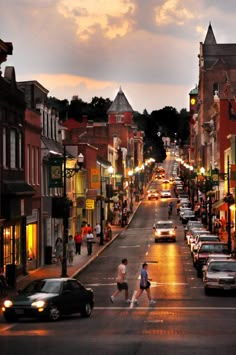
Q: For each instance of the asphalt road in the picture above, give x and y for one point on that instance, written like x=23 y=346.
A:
x=183 y=321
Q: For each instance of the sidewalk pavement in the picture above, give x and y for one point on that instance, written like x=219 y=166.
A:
x=80 y=261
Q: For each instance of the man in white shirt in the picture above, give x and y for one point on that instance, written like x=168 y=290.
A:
x=121 y=281
x=97 y=230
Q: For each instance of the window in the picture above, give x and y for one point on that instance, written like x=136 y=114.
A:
x=33 y=165
x=4 y=148
x=28 y=160
x=20 y=151
x=37 y=166
x=119 y=118
x=12 y=149
x=215 y=88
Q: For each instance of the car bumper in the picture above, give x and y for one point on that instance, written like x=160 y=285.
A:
x=219 y=286
x=26 y=312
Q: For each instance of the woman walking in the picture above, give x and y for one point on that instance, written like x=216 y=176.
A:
x=71 y=249
x=144 y=285
x=59 y=250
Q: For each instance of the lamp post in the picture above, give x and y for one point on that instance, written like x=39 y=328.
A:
x=67 y=173
x=230 y=200
x=130 y=174
x=110 y=190
x=101 y=209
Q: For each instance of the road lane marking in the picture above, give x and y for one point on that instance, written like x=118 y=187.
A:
x=129 y=246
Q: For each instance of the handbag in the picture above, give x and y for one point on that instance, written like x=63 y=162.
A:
x=148 y=283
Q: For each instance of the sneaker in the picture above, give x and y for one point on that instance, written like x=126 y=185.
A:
x=152 y=302
x=128 y=301
x=112 y=299
x=135 y=301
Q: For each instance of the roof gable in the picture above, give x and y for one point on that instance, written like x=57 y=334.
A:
x=120 y=104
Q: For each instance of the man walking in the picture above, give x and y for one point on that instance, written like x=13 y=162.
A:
x=121 y=281
x=144 y=285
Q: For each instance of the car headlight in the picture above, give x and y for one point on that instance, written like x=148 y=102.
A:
x=7 y=303
x=38 y=304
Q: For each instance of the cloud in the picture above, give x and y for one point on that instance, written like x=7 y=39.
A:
x=172 y=11
x=112 y=17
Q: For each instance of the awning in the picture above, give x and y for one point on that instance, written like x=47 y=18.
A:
x=18 y=188
x=55 y=147
x=220 y=205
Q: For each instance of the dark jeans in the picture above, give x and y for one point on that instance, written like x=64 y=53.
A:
x=89 y=247
x=77 y=248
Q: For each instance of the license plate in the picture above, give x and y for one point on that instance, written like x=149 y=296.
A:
x=19 y=311
x=227 y=288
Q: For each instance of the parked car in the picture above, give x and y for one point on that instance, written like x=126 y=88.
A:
x=203 y=238
x=205 y=249
x=194 y=232
x=165 y=193
x=191 y=224
x=49 y=298
x=220 y=275
x=164 y=230
x=187 y=216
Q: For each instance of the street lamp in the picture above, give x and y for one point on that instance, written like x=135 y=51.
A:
x=67 y=174
x=130 y=174
x=110 y=190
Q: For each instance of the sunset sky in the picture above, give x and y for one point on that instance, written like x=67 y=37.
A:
x=90 y=48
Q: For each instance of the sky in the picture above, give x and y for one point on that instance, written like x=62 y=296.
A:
x=91 y=48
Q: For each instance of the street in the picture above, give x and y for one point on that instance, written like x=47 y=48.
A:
x=182 y=321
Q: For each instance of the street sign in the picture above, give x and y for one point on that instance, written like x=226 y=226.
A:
x=90 y=204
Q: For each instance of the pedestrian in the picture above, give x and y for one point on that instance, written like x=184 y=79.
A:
x=108 y=234
x=78 y=242
x=3 y=283
x=70 y=249
x=144 y=285
x=89 y=238
x=59 y=250
x=121 y=281
x=97 y=231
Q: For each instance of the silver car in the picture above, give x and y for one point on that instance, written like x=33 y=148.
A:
x=220 y=274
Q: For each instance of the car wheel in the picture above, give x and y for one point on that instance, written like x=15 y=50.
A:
x=54 y=313
x=207 y=291
x=10 y=318
x=86 y=310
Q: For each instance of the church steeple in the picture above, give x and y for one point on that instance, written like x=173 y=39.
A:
x=210 y=37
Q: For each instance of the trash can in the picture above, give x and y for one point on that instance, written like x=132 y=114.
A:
x=48 y=255
x=11 y=275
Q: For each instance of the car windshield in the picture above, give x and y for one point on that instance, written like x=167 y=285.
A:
x=222 y=266
x=214 y=248
x=164 y=225
x=45 y=286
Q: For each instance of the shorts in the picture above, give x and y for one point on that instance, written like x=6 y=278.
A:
x=145 y=287
x=122 y=286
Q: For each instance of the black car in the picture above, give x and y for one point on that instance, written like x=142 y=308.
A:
x=49 y=298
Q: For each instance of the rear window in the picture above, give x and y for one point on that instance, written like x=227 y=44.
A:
x=222 y=266
x=214 y=248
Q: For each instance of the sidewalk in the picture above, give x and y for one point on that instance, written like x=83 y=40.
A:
x=80 y=261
